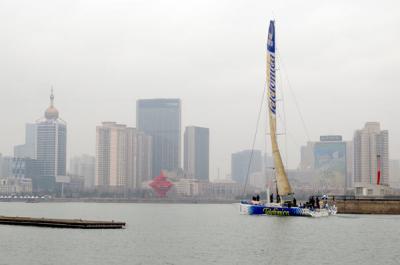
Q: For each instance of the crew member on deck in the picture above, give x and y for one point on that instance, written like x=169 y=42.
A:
x=312 y=202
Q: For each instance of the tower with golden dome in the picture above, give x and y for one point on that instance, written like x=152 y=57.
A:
x=51 y=149
x=51 y=112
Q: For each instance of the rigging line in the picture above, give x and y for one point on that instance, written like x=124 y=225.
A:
x=255 y=137
x=286 y=132
x=284 y=119
x=294 y=96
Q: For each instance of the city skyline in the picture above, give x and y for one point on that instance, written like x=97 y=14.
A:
x=124 y=154
x=30 y=126
x=220 y=84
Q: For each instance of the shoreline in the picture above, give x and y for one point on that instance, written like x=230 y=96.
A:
x=367 y=206
x=126 y=200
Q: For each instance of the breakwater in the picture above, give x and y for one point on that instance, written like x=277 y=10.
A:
x=368 y=205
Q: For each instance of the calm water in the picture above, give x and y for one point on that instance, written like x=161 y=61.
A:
x=196 y=234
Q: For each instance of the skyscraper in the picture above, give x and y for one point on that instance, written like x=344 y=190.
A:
x=371 y=149
x=51 y=149
x=27 y=150
x=83 y=166
x=24 y=168
x=196 y=152
x=111 y=155
x=307 y=156
x=349 y=165
x=394 y=173
x=6 y=165
x=330 y=162
x=161 y=119
x=240 y=164
x=144 y=157
x=122 y=156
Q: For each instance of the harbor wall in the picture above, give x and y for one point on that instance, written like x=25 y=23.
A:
x=368 y=206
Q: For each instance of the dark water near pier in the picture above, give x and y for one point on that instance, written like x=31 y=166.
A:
x=196 y=234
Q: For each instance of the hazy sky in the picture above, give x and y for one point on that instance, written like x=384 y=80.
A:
x=341 y=58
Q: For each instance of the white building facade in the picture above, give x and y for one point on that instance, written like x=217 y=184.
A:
x=371 y=151
x=123 y=156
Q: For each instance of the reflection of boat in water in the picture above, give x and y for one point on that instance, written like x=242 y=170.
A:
x=286 y=204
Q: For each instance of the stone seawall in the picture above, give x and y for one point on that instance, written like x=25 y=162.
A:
x=368 y=206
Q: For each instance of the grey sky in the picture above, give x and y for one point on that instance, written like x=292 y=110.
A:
x=342 y=59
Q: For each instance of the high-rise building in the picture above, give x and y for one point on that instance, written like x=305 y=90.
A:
x=394 y=173
x=143 y=158
x=119 y=150
x=27 y=150
x=111 y=155
x=349 y=165
x=51 y=149
x=307 y=157
x=6 y=165
x=371 y=150
x=83 y=166
x=240 y=164
x=196 y=152
x=330 y=162
x=25 y=168
x=161 y=119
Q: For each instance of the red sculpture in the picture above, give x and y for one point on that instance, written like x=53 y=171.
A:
x=161 y=185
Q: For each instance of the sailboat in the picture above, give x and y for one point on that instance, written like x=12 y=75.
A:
x=285 y=206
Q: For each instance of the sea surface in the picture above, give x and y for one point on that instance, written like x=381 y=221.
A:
x=196 y=234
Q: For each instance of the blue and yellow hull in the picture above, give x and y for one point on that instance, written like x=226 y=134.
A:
x=274 y=210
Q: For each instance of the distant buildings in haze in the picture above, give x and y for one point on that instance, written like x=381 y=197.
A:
x=241 y=167
x=196 y=152
x=371 y=152
x=28 y=149
x=83 y=166
x=127 y=157
x=118 y=148
x=394 y=173
x=328 y=159
x=161 y=119
x=355 y=163
x=51 y=149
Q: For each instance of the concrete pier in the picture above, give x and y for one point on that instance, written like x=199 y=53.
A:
x=61 y=223
x=368 y=205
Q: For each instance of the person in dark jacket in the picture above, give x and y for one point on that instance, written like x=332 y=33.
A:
x=312 y=202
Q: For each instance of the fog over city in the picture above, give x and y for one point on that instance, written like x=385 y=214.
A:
x=338 y=60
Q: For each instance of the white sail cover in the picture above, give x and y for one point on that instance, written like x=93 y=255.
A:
x=284 y=188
